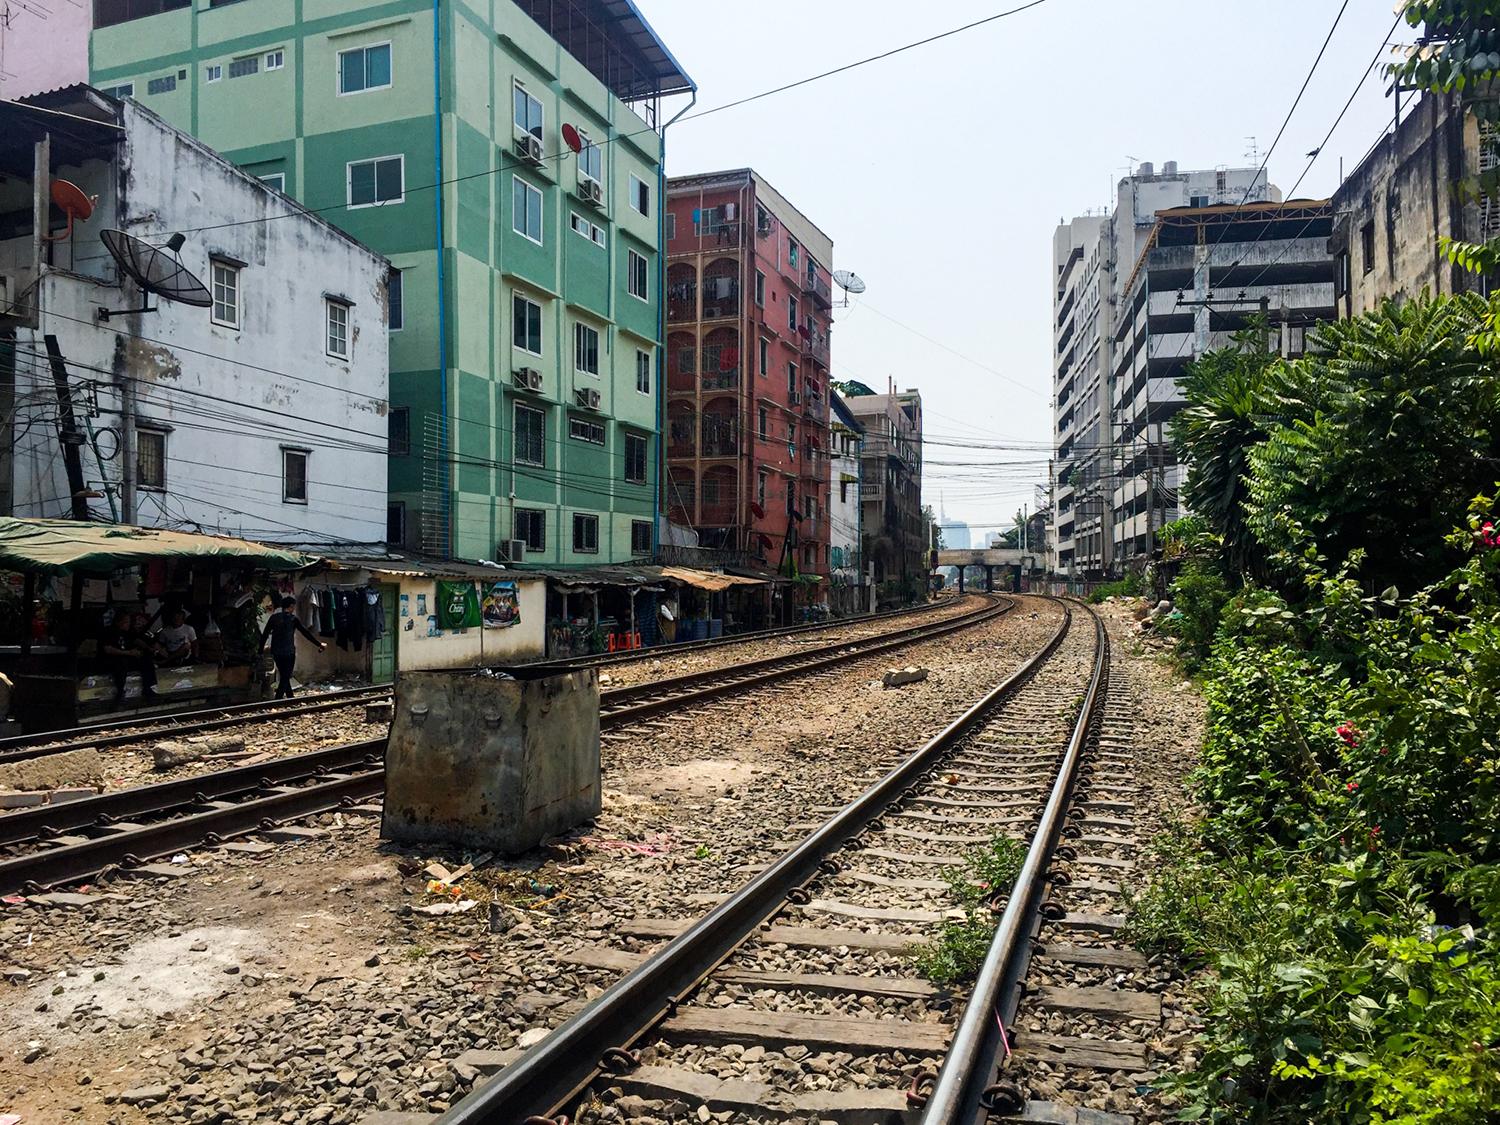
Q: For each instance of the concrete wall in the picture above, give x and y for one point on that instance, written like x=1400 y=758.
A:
x=229 y=400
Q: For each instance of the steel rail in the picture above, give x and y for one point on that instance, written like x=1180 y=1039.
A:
x=672 y=649
x=71 y=863
x=551 y=1074
x=657 y=696
x=969 y=1067
x=46 y=821
x=119 y=732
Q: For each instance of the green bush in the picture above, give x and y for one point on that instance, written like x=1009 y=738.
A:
x=1128 y=587
x=1199 y=594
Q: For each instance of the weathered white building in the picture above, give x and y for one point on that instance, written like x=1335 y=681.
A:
x=264 y=415
x=849 y=591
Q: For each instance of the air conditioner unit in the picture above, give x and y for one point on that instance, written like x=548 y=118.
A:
x=592 y=190
x=528 y=377
x=587 y=397
x=529 y=148
x=511 y=550
x=796 y=398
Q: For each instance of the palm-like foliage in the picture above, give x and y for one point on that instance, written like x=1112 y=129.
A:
x=1378 y=440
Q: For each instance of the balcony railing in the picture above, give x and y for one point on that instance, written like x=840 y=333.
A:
x=814 y=346
x=721 y=298
x=722 y=380
x=722 y=232
x=816 y=285
x=720 y=445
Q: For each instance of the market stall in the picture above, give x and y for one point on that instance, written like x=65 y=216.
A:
x=107 y=618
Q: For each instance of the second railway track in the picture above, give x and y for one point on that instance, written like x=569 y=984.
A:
x=55 y=845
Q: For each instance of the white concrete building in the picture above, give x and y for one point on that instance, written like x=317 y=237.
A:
x=849 y=590
x=1183 y=260
x=264 y=415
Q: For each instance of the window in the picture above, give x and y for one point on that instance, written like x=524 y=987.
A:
x=590 y=159
x=241 y=68
x=123 y=90
x=364 y=68
x=760 y=489
x=585 y=533
x=585 y=349
x=276 y=59
x=375 y=182
x=765 y=356
x=640 y=537
x=294 y=475
x=642 y=371
x=635 y=280
x=398 y=429
x=671 y=226
x=395 y=524
x=528 y=112
x=791 y=313
x=150 y=458
x=791 y=379
x=581 y=429
x=226 y=291
x=275 y=180
x=164 y=85
x=531 y=528
x=764 y=427
x=531 y=447
x=635 y=459
x=338 y=328
x=640 y=194
x=395 y=301
x=1367 y=245
x=526 y=331
x=526 y=210
x=844 y=483
x=760 y=289
x=791 y=253
x=213 y=73
x=581 y=226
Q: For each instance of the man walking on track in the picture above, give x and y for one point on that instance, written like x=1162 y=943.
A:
x=282 y=627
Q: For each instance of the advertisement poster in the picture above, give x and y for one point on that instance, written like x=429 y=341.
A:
x=502 y=605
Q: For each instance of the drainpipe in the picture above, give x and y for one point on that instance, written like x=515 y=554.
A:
x=658 y=511
x=445 y=475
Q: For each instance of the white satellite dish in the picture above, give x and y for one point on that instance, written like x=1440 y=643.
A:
x=849 y=281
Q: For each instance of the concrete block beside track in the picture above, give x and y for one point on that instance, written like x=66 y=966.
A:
x=66 y=770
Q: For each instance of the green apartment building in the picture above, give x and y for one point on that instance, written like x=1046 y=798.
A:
x=526 y=307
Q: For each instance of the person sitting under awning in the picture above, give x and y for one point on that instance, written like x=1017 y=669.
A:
x=177 y=640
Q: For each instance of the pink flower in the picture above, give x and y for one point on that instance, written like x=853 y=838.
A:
x=1348 y=732
x=1352 y=786
x=1384 y=750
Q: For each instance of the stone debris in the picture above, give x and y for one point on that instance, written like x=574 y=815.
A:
x=178 y=752
x=899 y=677
x=63 y=770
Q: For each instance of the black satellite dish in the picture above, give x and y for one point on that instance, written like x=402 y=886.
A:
x=155 y=271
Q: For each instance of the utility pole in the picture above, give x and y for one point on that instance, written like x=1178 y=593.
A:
x=67 y=429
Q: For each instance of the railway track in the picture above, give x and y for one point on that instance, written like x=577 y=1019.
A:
x=795 y=998
x=54 y=845
x=121 y=732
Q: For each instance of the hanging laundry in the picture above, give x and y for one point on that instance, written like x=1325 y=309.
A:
x=327 y=627
x=374 y=615
x=349 y=619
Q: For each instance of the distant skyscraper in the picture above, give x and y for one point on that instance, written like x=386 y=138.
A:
x=956 y=534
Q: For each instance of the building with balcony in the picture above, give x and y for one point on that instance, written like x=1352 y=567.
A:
x=1183 y=260
x=508 y=161
x=849 y=591
x=748 y=303
x=893 y=542
x=261 y=413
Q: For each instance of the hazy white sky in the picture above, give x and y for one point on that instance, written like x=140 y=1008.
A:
x=941 y=173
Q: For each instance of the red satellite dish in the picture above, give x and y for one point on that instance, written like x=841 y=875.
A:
x=71 y=201
x=757 y=511
x=571 y=138
x=729 y=359
x=763 y=539
x=803 y=332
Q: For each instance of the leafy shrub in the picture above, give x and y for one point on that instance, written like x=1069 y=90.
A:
x=1128 y=587
x=1199 y=595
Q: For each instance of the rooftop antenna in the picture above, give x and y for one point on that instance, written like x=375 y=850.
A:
x=1252 y=154
x=155 y=271
x=849 y=282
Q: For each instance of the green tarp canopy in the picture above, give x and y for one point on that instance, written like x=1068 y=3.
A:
x=66 y=547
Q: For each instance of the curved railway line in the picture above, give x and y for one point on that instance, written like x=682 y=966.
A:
x=860 y=889
x=122 y=732
x=54 y=845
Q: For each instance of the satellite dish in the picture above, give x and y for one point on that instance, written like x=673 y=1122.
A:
x=849 y=281
x=71 y=201
x=155 y=271
x=571 y=138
